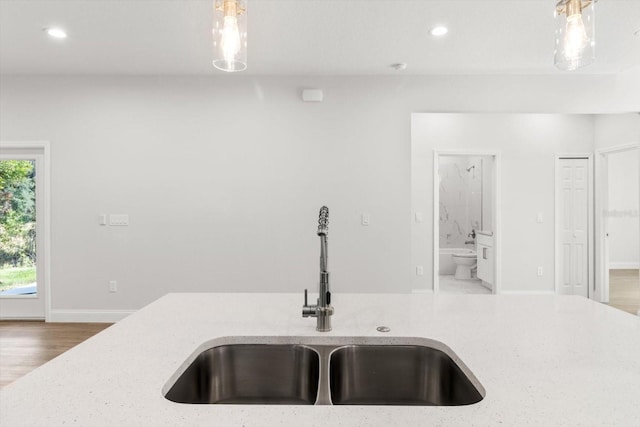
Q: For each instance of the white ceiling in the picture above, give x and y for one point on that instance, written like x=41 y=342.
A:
x=306 y=37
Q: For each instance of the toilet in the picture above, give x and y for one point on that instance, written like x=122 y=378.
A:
x=465 y=264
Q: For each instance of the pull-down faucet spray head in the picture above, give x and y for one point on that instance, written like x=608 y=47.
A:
x=323 y=231
x=323 y=221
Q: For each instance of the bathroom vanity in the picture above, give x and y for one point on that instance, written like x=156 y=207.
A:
x=486 y=259
x=536 y=360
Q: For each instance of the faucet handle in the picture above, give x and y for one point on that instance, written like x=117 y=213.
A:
x=307 y=310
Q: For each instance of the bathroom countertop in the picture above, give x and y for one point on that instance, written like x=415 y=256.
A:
x=543 y=360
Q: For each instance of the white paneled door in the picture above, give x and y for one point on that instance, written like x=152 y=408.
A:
x=574 y=226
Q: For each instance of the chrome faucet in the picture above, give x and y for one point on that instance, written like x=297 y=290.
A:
x=323 y=309
x=473 y=238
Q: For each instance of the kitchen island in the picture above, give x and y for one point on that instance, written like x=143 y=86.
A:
x=542 y=360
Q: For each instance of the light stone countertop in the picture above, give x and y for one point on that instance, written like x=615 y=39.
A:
x=543 y=360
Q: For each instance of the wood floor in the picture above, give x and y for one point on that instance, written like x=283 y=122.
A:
x=624 y=290
x=26 y=345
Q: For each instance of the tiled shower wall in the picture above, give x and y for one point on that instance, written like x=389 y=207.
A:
x=463 y=179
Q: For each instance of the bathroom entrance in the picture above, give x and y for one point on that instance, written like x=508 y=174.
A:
x=465 y=222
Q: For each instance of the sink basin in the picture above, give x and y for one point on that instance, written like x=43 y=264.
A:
x=398 y=375
x=250 y=374
x=330 y=371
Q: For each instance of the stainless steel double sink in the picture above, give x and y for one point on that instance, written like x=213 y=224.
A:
x=342 y=371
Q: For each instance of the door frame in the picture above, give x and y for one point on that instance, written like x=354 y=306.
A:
x=497 y=207
x=602 y=202
x=590 y=208
x=45 y=172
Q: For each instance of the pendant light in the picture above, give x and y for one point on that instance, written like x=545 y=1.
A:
x=230 y=35
x=575 y=42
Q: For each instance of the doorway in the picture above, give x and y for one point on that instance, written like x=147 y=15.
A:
x=618 y=227
x=466 y=222
x=24 y=230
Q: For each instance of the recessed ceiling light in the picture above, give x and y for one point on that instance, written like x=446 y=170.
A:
x=56 y=32
x=439 y=31
x=399 y=66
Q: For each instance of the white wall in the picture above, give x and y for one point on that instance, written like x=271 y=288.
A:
x=223 y=176
x=612 y=130
x=527 y=144
x=624 y=231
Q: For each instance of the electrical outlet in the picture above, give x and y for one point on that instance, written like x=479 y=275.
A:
x=419 y=270
x=113 y=286
x=540 y=271
x=419 y=217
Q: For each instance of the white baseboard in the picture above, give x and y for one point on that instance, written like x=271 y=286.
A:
x=527 y=292
x=27 y=318
x=624 y=265
x=89 y=316
x=421 y=291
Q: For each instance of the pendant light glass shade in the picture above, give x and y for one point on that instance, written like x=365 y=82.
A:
x=230 y=35
x=575 y=35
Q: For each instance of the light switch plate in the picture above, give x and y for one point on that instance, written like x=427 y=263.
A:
x=366 y=219
x=118 y=219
